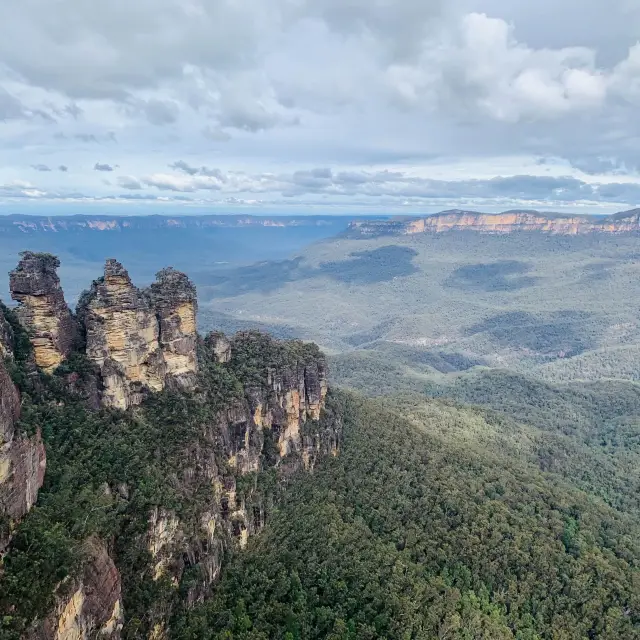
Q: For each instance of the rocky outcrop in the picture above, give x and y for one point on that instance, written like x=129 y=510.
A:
x=258 y=406
x=122 y=338
x=93 y=608
x=501 y=223
x=287 y=392
x=220 y=346
x=140 y=340
x=22 y=461
x=173 y=296
x=42 y=309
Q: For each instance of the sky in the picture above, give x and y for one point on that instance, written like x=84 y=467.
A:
x=357 y=106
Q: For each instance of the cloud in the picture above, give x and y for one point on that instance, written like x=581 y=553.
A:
x=129 y=182
x=349 y=186
x=184 y=167
x=63 y=168
x=157 y=112
x=181 y=165
x=41 y=167
x=469 y=88
x=103 y=167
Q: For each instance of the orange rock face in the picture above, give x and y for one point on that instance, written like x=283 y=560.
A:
x=503 y=223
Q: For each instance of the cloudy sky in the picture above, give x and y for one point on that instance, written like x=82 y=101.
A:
x=319 y=105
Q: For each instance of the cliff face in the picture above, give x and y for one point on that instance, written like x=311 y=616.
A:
x=502 y=223
x=170 y=491
x=22 y=460
x=6 y=338
x=93 y=607
x=173 y=297
x=141 y=340
x=43 y=310
x=27 y=225
x=122 y=338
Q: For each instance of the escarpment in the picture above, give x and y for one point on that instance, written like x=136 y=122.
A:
x=162 y=472
x=35 y=285
x=502 y=223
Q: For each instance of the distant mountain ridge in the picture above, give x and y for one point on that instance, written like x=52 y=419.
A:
x=29 y=224
x=501 y=223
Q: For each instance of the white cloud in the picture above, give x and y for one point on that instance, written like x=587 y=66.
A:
x=264 y=92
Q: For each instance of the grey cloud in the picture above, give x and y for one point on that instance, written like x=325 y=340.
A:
x=216 y=134
x=157 y=112
x=41 y=167
x=73 y=110
x=103 y=167
x=183 y=166
x=63 y=168
x=129 y=182
x=398 y=186
x=13 y=109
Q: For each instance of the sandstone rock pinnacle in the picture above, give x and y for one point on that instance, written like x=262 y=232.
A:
x=43 y=311
x=174 y=299
x=122 y=338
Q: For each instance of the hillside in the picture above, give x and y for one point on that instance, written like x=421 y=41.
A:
x=558 y=307
x=412 y=534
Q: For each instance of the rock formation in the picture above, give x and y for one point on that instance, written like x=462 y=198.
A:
x=43 y=311
x=501 y=223
x=93 y=608
x=122 y=338
x=219 y=345
x=173 y=297
x=259 y=407
x=22 y=460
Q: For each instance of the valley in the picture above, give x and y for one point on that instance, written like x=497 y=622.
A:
x=462 y=463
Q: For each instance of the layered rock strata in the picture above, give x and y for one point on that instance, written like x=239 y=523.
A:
x=42 y=309
x=93 y=608
x=141 y=340
x=174 y=299
x=501 y=223
x=122 y=338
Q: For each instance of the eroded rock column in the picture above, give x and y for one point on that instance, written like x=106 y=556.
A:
x=174 y=299
x=122 y=334
x=42 y=309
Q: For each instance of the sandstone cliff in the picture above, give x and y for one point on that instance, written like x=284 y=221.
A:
x=93 y=606
x=141 y=340
x=501 y=223
x=173 y=297
x=42 y=309
x=171 y=490
x=122 y=338
x=22 y=459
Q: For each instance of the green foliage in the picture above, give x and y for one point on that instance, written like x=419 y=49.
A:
x=405 y=535
x=254 y=354
x=106 y=471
